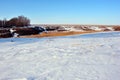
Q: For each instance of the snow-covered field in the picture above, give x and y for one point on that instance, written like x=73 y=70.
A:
x=79 y=57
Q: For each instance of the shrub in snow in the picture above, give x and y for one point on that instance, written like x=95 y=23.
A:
x=116 y=28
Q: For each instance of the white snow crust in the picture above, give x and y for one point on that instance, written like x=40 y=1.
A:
x=80 y=57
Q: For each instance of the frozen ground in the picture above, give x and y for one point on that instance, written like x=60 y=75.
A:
x=80 y=57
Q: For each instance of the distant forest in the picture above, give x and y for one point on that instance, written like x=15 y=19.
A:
x=19 y=21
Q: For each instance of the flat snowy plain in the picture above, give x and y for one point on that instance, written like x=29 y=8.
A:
x=93 y=56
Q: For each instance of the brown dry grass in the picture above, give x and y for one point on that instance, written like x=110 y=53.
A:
x=53 y=34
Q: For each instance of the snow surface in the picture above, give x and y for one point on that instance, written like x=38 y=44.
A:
x=81 y=57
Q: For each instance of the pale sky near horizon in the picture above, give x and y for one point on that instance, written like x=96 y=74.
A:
x=63 y=11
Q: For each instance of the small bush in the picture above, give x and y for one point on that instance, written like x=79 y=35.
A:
x=116 y=28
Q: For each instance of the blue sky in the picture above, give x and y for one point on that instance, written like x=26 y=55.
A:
x=63 y=11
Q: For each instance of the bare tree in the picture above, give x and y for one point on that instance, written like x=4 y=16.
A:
x=23 y=21
x=19 y=21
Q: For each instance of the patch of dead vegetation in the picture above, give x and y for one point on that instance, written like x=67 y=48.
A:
x=57 y=33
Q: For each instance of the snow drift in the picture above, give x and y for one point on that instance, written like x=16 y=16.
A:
x=80 y=57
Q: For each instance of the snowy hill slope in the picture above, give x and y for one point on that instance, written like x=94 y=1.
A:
x=80 y=57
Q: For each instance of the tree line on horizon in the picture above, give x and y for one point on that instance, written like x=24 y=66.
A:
x=19 y=21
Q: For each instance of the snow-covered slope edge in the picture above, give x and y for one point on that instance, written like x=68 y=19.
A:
x=81 y=57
